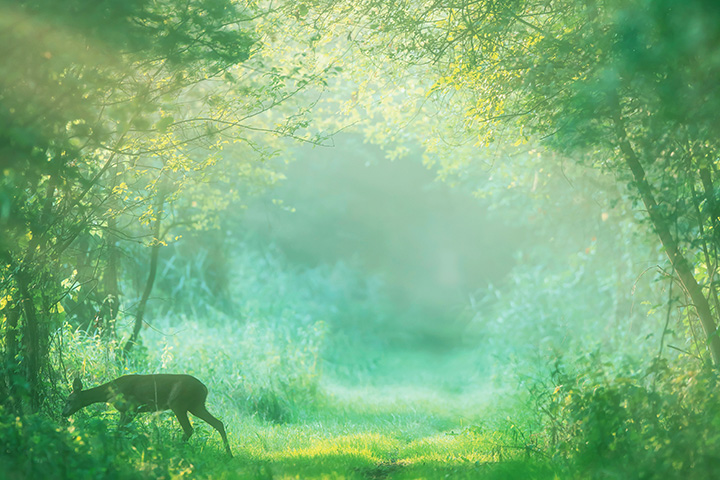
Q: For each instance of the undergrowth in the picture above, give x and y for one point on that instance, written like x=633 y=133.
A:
x=630 y=420
x=301 y=399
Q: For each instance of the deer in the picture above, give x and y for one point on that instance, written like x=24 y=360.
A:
x=133 y=394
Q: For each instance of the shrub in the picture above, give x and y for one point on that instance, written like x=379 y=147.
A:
x=35 y=447
x=631 y=422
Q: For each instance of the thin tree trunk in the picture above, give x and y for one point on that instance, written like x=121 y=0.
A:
x=111 y=303
x=84 y=310
x=154 y=255
x=31 y=339
x=706 y=179
x=11 y=363
x=34 y=349
x=679 y=262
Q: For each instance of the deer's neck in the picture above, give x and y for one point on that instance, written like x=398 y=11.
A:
x=97 y=395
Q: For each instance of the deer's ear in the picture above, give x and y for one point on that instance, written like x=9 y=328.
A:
x=77 y=385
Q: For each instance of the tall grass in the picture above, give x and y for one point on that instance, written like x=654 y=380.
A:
x=302 y=395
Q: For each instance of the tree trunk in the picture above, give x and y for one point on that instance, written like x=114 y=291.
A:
x=154 y=255
x=111 y=303
x=34 y=345
x=11 y=363
x=84 y=310
x=31 y=339
x=679 y=262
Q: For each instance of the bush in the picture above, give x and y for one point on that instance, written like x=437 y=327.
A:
x=35 y=447
x=263 y=369
x=631 y=422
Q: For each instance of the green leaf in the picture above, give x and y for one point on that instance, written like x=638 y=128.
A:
x=163 y=124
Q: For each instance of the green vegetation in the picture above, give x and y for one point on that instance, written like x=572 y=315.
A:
x=395 y=240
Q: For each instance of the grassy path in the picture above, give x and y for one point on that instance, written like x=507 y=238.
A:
x=413 y=415
x=388 y=428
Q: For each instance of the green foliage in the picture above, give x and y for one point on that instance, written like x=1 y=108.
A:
x=81 y=87
x=282 y=373
x=539 y=303
x=622 y=87
x=35 y=447
x=244 y=281
x=626 y=421
x=132 y=124
x=277 y=327
x=269 y=371
x=91 y=357
x=113 y=135
x=267 y=383
x=555 y=303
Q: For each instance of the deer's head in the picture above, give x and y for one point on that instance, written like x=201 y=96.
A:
x=73 y=403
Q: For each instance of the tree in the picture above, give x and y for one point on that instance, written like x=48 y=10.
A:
x=625 y=87
x=110 y=112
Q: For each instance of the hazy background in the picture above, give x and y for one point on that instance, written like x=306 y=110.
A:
x=432 y=246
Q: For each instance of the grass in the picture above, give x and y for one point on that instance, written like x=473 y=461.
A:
x=305 y=393
x=404 y=422
x=299 y=406
x=361 y=433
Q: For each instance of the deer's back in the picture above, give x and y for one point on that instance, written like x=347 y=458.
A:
x=159 y=391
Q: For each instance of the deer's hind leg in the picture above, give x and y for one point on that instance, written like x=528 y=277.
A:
x=202 y=413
